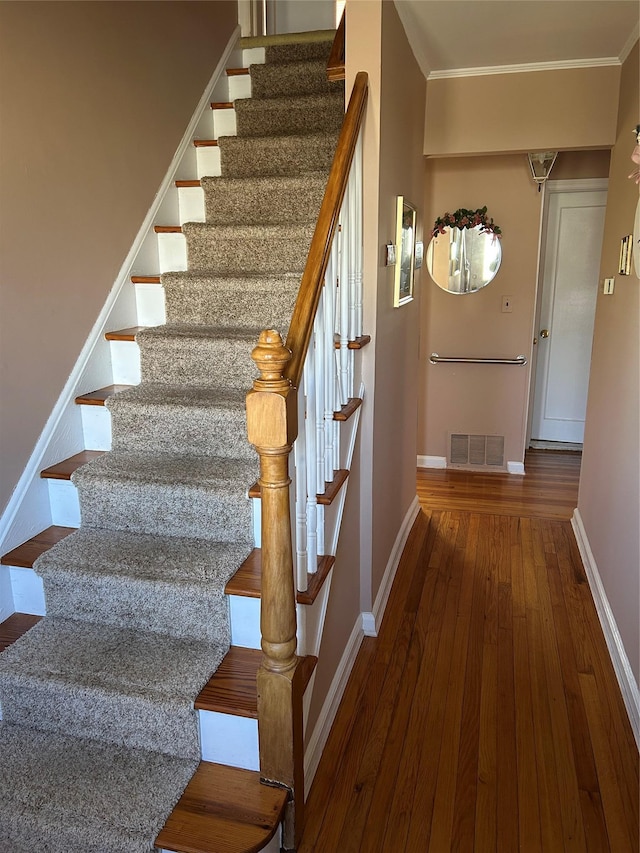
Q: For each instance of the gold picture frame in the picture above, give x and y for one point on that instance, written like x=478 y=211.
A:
x=405 y=252
x=626 y=251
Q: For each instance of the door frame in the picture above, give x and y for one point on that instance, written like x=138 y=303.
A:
x=550 y=188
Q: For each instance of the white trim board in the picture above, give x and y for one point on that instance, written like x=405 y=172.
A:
x=320 y=734
x=365 y=626
x=520 y=68
x=432 y=461
x=371 y=620
x=621 y=665
x=14 y=529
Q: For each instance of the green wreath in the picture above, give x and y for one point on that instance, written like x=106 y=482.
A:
x=463 y=218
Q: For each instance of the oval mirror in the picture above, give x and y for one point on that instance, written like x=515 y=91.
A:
x=463 y=260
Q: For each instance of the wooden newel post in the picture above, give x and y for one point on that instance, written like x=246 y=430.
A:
x=272 y=428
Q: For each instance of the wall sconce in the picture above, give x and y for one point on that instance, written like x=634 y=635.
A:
x=541 y=165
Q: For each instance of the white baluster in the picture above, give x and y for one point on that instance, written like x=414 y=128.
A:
x=329 y=373
x=310 y=459
x=356 y=169
x=299 y=455
x=320 y=369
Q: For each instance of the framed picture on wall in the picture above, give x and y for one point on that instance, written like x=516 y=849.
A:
x=405 y=252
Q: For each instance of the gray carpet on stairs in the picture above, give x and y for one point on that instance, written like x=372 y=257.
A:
x=99 y=735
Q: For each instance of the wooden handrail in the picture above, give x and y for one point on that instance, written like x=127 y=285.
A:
x=335 y=65
x=306 y=305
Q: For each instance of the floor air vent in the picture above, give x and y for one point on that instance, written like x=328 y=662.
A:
x=476 y=451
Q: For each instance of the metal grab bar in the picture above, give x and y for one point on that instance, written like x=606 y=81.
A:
x=441 y=359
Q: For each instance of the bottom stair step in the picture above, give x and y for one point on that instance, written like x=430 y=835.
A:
x=74 y=795
x=223 y=810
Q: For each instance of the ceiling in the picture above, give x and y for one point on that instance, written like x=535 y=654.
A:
x=457 y=37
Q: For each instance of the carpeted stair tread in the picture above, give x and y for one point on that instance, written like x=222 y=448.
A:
x=299 y=52
x=276 y=155
x=156 y=418
x=291 y=78
x=198 y=355
x=64 y=794
x=278 y=116
x=255 y=301
x=263 y=200
x=166 y=584
x=248 y=248
x=166 y=494
x=122 y=686
x=100 y=734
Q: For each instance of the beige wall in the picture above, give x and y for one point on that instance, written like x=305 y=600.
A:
x=95 y=98
x=610 y=482
x=468 y=398
x=522 y=112
x=578 y=165
x=386 y=485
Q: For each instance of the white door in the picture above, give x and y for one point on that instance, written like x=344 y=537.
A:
x=571 y=266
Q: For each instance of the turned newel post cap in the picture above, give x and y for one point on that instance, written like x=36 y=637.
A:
x=271 y=357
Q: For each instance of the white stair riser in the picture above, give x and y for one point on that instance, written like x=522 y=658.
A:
x=208 y=161
x=6 y=593
x=191 y=204
x=239 y=86
x=245 y=621
x=28 y=591
x=224 y=123
x=150 y=304
x=227 y=739
x=96 y=427
x=257 y=522
x=172 y=252
x=125 y=362
x=63 y=500
x=253 y=56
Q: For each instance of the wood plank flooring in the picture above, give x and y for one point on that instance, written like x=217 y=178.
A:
x=486 y=715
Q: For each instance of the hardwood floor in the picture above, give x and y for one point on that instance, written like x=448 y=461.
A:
x=486 y=715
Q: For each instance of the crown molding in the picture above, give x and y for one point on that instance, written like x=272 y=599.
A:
x=527 y=66
x=630 y=43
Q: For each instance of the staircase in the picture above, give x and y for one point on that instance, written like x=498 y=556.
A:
x=140 y=680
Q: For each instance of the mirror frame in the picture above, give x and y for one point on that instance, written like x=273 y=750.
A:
x=405 y=263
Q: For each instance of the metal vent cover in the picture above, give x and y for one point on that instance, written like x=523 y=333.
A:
x=476 y=451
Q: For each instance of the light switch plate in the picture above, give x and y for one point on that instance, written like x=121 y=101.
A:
x=608 y=286
x=507 y=305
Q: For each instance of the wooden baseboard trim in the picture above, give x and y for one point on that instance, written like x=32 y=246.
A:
x=617 y=651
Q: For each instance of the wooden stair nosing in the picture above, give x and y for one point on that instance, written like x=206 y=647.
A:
x=205 y=143
x=25 y=555
x=124 y=334
x=146 y=279
x=357 y=343
x=237 y=72
x=330 y=491
x=221 y=105
x=348 y=409
x=232 y=689
x=168 y=229
x=187 y=184
x=63 y=470
x=224 y=809
x=246 y=581
x=100 y=396
x=15 y=626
